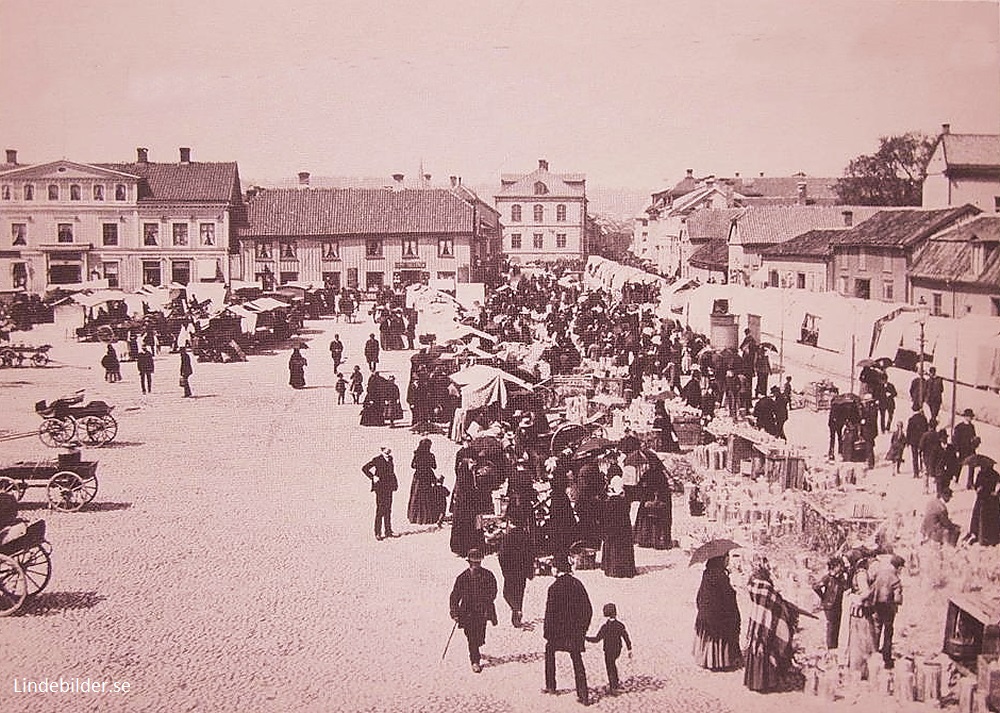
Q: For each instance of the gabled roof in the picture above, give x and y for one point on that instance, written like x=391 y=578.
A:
x=560 y=185
x=812 y=244
x=357 y=211
x=767 y=225
x=713 y=255
x=971 y=150
x=902 y=228
x=691 y=200
x=819 y=190
x=30 y=171
x=947 y=257
x=711 y=224
x=195 y=181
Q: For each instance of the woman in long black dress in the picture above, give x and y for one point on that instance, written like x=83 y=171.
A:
x=618 y=554
x=465 y=506
x=297 y=369
x=665 y=429
x=421 y=509
x=717 y=624
x=373 y=407
x=984 y=526
x=654 y=520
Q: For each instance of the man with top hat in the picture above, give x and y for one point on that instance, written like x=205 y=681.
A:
x=471 y=604
x=382 y=472
x=966 y=441
x=567 y=618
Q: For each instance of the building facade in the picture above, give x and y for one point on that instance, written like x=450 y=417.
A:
x=958 y=271
x=964 y=169
x=367 y=238
x=544 y=215
x=802 y=263
x=65 y=223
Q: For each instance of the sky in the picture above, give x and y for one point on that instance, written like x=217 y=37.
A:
x=629 y=93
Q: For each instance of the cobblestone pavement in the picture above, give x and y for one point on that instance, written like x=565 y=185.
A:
x=228 y=563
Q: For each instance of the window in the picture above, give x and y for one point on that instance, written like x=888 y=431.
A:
x=352 y=277
x=446 y=275
x=98 y=192
x=862 y=259
x=111 y=273
x=19 y=274
x=287 y=250
x=863 y=289
x=515 y=213
x=207 y=233
x=53 y=192
x=561 y=214
x=887 y=291
x=843 y=284
x=373 y=247
x=29 y=192
x=18 y=233
x=287 y=276
x=65 y=273
x=74 y=192
x=800 y=280
x=536 y=241
x=539 y=213
x=560 y=240
x=180 y=271
x=5 y=193
x=331 y=251
x=446 y=247
x=150 y=236
x=331 y=280
x=374 y=280
x=121 y=193
x=772 y=278
x=936 y=301
x=180 y=234
x=410 y=247
x=996 y=204
x=540 y=188
x=151 y=273
x=515 y=241
x=109 y=234
x=64 y=232
x=263 y=251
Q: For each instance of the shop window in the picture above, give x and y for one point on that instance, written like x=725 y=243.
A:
x=410 y=247
x=65 y=273
x=180 y=271
x=352 y=278
x=109 y=234
x=515 y=241
x=446 y=275
x=373 y=247
x=561 y=214
x=150 y=236
x=98 y=192
x=19 y=233
x=29 y=192
x=446 y=247
x=111 y=273
x=331 y=251
x=331 y=280
x=74 y=192
x=151 y=273
x=374 y=280
x=515 y=213
x=19 y=274
x=64 y=232
x=538 y=213
x=53 y=192
x=121 y=192
x=286 y=277
x=180 y=234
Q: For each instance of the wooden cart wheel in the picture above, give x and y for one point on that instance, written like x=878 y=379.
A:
x=14 y=487
x=68 y=492
x=39 y=359
x=37 y=567
x=13 y=585
x=55 y=432
x=7 y=357
x=97 y=430
x=568 y=435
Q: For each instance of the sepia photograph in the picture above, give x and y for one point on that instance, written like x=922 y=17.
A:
x=500 y=357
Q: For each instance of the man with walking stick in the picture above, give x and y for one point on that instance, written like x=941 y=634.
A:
x=471 y=605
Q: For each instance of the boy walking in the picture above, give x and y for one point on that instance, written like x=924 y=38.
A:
x=341 y=388
x=613 y=633
x=830 y=590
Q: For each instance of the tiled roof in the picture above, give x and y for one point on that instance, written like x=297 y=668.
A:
x=711 y=224
x=948 y=256
x=902 y=228
x=767 y=225
x=820 y=190
x=972 y=150
x=683 y=187
x=713 y=255
x=560 y=185
x=815 y=243
x=356 y=211
x=195 y=181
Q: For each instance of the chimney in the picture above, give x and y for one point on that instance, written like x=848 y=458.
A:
x=454 y=180
x=848 y=218
x=427 y=178
x=736 y=175
x=761 y=174
x=800 y=193
x=710 y=180
x=945 y=129
x=12 y=156
x=398 y=178
x=459 y=180
x=543 y=165
x=690 y=173
x=185 y=154
x=303 y=179
x=142 y=155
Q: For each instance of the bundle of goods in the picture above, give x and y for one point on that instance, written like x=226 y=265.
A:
x=819 y=394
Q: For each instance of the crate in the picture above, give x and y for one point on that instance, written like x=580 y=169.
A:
x=739 y=450
x=689 y=433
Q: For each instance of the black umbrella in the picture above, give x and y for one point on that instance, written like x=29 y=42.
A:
x=711 y=549
x=591 y=446
x=883 y=362
x=866 y=362
x=978 y=460
x=768 y=345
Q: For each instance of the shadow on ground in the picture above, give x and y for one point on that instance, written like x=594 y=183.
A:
x=46 y=603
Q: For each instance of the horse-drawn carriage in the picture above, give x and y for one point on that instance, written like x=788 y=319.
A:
x=12 y=355
x=66 y=421
x=25 y=566
x=69 y=482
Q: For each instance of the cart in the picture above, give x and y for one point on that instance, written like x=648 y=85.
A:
x=69 y=482
x=66 y=422
x=12 y=355
x=25 y=567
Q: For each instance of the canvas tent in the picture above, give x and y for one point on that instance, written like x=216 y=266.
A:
x=483 y=385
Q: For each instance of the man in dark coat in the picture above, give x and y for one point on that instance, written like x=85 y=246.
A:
x=966 y=441
x=371 y=352
x=186 y=372
x=144 y=362
x=567 y=618
x=916 y=427
x=471 y=604
x=934 y=392
x=381 y=471
x=517 y=562
x=869 y=427
x=766 y=415
x=336 y=351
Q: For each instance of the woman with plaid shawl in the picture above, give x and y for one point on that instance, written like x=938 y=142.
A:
x=772 y=623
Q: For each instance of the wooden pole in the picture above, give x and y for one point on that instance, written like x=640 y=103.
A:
x=954 y=389
x=854 y=340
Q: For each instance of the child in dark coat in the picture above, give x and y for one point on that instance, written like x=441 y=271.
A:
x=612 y=632
x=830 y=590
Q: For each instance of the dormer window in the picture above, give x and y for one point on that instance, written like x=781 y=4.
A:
x=540 y=188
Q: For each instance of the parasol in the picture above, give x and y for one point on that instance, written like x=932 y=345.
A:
x=978 y=460
x=866 y=362
x=591 y=446
x=883 y=362
x=297 y=344
x=711 y=549
x=768 y=345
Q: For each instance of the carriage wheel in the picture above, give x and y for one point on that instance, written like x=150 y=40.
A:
x=37 y=567
x=97 y=430
x=54 y=432
x=39 y=359
x=13 y=585
x=105 y=333
x=68 y=492
x=567 y=435
x=7 y=358
x=14 y=487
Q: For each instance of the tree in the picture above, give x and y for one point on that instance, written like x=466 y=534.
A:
x=892 y=176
